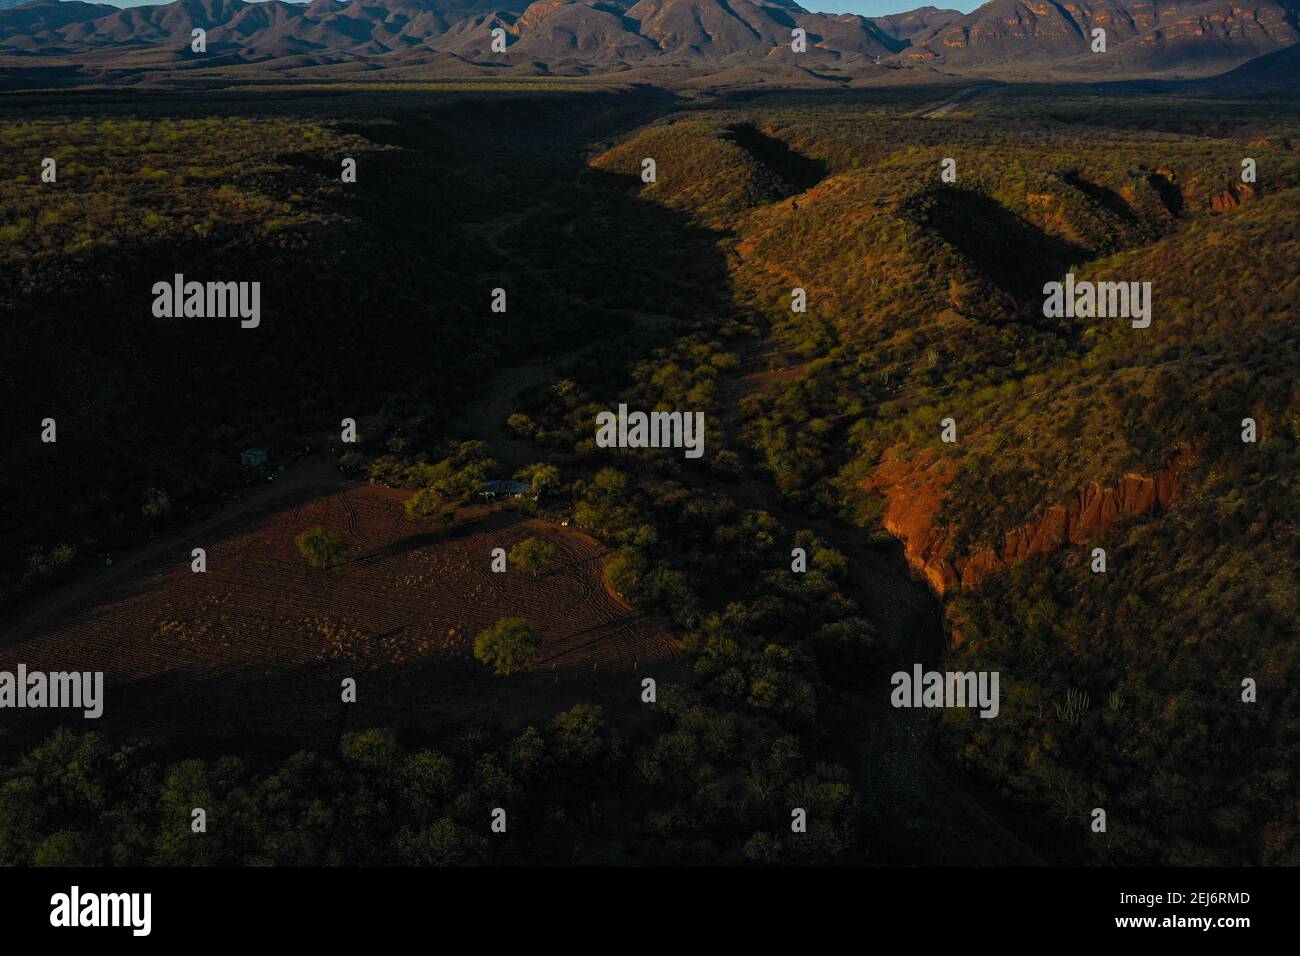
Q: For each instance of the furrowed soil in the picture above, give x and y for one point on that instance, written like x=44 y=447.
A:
x=258 y=645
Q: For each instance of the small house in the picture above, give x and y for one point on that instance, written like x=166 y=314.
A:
x=252 y=457
x=505 y=489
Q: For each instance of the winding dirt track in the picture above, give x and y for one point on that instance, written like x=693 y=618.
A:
x=353 y=527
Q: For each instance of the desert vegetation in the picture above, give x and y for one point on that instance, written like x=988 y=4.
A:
x=510 y=645
x=322 y=548
x=1121 y=689
x=532 y=555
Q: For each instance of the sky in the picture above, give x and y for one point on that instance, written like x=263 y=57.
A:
x=866 y=8
x=879 y=8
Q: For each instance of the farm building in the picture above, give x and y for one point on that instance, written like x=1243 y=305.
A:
x=252 y=457
x=505 y=489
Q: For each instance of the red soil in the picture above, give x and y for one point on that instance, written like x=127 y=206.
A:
x=915 y=492
x=259 y=644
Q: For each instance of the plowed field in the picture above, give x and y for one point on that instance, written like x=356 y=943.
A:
x=259 y=644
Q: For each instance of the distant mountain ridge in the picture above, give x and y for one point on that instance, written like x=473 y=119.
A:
x=1037 y=38
x=1152 y=36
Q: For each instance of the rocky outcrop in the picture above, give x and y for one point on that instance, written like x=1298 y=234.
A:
x=1232 y=197
x=915 y=492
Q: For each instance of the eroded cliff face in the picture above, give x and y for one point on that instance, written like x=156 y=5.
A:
x=915 y=492
x=1232 y=197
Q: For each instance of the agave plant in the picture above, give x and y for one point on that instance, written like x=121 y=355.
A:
x=1116 y=699
x=1075 y=706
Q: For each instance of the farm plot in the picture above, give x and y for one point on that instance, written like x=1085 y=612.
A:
x=260 y=643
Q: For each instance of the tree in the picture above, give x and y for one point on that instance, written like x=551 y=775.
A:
x=578 y=733
x=510 y=645
x=442 y=843
x=425 y=781
x=322 y=548
x=156 y=504
x=624 y=571
x=543 y=478
x=521 y=425
x=374 y=750
x=428 y=503
x=65 y=848
x=532 y=554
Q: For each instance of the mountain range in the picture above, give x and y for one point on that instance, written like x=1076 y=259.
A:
x=1040 y=39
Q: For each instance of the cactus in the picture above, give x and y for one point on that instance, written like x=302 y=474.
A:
x=1076 y=705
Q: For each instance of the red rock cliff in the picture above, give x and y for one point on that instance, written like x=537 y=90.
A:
x=915 y=491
